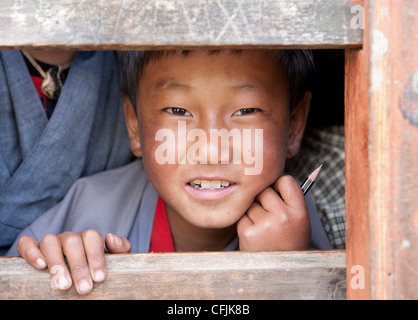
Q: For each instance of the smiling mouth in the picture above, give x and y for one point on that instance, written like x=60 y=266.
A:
x=210 y=185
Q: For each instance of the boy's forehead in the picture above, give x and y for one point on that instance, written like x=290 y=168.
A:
x=154 y=57
x=248 y=66
x=242 y=84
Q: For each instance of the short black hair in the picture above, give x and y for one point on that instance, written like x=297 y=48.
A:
x=297 y=65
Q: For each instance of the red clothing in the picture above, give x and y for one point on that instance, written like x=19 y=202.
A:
x=161 y=237
x=48 y=104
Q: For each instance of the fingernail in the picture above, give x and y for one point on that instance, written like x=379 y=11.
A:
x=117 y=240
x=40 y=263
x=99 y=276
x=83 y=286
x=63 y=282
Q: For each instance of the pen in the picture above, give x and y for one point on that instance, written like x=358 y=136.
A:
x=308 y=183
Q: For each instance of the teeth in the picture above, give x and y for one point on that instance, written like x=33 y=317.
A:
x=216 y=184
x=206 y=184
x=224 y=183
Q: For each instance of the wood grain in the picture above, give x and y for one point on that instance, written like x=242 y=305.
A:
x=357 y=167
x=151 y=24
x=217 y=275
x=382 y=149
x=394 y=148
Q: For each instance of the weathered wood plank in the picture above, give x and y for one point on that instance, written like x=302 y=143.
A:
x=218 y=275
x=394 y=148
x=382 y=149
x=357 y=172
x=128 y=24
x=357 y=169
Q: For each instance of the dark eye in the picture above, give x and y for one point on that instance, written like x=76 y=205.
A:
x=245 y=111
x=178 y=111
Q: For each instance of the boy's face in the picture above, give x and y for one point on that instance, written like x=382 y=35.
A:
x=181 y=99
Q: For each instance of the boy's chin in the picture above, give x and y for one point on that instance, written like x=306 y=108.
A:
x=221 y=220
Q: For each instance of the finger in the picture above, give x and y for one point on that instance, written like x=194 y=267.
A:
x=247 y=233
x=269 y=199
x=51 y=249
x=73 y=249
x=244 y=222
x=290 y=191
x=94 y=247
x=117 y=244
x=255 y=212
x=28 y=249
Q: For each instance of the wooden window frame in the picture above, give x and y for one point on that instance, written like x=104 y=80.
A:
x=381 y=137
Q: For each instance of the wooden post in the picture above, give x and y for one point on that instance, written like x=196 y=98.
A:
x=382 y=153
x=357 y=168
x=381 y=106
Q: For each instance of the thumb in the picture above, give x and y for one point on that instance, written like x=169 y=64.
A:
x=115 y=244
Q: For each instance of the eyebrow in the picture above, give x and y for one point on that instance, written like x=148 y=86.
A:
x=163 y=85
x=247 y=86
x=252 y=85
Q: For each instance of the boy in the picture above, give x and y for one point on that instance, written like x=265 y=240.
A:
x=174 y=101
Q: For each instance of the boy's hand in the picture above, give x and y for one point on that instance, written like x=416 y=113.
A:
x=275 y=223
x=85 y=253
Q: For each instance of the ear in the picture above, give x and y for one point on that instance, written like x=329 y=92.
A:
x=132 y=126
x=298 y=118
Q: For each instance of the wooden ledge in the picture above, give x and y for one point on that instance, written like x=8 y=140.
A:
x=151 y=24
x=215 y=275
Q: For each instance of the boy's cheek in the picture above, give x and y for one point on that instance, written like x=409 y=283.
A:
x=274 y=156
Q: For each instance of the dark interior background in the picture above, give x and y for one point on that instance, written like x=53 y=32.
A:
x=327 y=105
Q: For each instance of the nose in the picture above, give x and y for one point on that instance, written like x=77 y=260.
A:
x=220 y=145
x=225 y=146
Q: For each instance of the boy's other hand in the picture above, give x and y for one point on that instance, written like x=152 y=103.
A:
x=278 y=220
x=84 y=251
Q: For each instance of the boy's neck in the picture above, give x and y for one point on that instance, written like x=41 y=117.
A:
x=189 y=238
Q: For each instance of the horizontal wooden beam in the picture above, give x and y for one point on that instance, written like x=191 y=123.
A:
x=216 y=275
x=152 y=24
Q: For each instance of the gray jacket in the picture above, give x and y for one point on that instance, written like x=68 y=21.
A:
x=122 y=201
